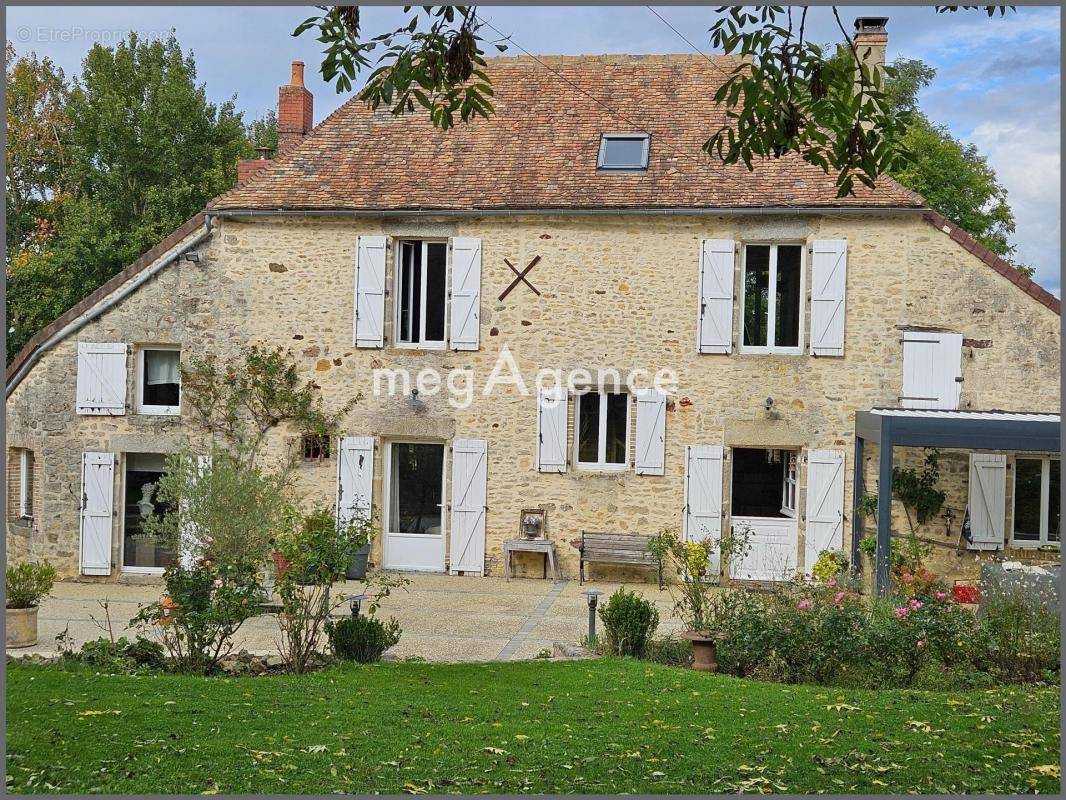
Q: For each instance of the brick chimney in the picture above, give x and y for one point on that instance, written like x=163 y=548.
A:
x=871 y=41
x=295 y=110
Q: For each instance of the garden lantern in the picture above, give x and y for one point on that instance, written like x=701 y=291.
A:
x=594 y=598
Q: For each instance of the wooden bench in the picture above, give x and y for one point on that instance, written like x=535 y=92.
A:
x=617 y=548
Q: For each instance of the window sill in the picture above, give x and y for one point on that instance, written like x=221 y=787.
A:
x=606 y=469
x=420 y=345
x=771 y=351
x=21 y=522
x=1035 y=546
x=159 y=411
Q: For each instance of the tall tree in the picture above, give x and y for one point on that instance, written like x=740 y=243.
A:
x=37 y=124
x=145 y=142
x=951 y=175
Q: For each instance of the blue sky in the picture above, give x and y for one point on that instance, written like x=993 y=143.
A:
x=998 y=81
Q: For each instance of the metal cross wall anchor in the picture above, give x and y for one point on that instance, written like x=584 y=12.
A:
x=521 y=277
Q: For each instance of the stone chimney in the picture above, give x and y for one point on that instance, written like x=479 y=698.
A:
x=295 y=110
x=871 y=42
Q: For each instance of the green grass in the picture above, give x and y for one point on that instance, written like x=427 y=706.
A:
x=589 y=727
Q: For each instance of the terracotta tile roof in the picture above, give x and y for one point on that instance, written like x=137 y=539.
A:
x=1000 y=265
x=539 y=149
x=71 y=314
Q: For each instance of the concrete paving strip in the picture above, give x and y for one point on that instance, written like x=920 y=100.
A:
x=531 y=622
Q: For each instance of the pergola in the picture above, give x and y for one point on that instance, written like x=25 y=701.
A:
x=1012 y=431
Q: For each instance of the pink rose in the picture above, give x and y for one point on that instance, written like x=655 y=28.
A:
x=940 y=595
x=901 y=613
x=838 y=597
x=218 y=582
x=832 y=582
x=803 y=605
x=921 y=643
x=908 y=578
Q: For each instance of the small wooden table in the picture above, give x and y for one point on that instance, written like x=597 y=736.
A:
x=545 y=546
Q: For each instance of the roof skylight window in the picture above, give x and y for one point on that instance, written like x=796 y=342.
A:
x=623 y=152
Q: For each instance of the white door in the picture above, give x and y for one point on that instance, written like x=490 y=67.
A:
x=97 y=512
x=825 y=504
x=469 y=484
x=771 y=552
x=932 y=370
x=355 y=477
x=414 y=506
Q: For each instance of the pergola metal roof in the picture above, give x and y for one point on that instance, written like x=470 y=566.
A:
x=1014 y=431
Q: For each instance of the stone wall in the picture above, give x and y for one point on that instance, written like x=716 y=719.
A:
x=614 y=292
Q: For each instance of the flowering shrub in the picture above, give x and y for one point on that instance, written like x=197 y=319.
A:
x=831 y=564
x=204 y=607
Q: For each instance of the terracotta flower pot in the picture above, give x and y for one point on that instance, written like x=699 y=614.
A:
x=704 y=649
x=21 y=627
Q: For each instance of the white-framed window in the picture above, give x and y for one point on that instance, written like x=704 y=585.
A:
x=601 y=430
x=626 y=152
x=1036 y=502
x=788 y=486
x=159 y=380
x=26 y=470
x=421 y=293
x=772 y=298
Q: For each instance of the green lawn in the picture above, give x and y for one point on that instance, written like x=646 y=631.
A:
x=589 y=727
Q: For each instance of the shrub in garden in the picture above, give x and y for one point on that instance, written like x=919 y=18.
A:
x=831 y=564
x=629 y=621
x=669 y=650
x=121 y=655
x=1020 y=633
x=28 y=584
x=363 y=639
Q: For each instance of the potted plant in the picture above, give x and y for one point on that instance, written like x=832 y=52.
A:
x=27 y=585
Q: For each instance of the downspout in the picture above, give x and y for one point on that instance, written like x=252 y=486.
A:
x=107 y=303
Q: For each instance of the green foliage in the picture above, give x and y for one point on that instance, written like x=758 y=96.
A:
x=221 y=509
x=320 y=549
x=204 y=607
x=28 y=584
x=362 y=639
x=434 y=60
x=121 y=656
x=830 y=564
x=694 y=594
x=241 y=399
x=670 y=650
x=263 y=132
x=867 y=506
x=629 y=621
x=917 y=489
x=1022 y=635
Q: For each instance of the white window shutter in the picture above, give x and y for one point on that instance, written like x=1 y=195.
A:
x=988 y=500
x=469 y=486
x=932 y=370
x=189 y=544
x=703 y=498
x=355 y=478
x=466 y=293
x=651 y=432
x=715 y=334
x=97 y=512
x=101 y=384
x=370 y=292
x=829 y=269
x=552 y=416
x=825 y=504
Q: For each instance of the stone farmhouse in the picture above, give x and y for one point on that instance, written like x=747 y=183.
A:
x=581 y=229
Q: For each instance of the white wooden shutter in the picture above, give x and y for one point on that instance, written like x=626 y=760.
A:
x=97 y=512
x=829 y=268
x=466 y=293
x=932 y=370
x=703 y=498
x=101 y=378
x=189 y=539
x=988 y=503
x=355 y=478
x=552 y=414
x=469 y=479
x=715 y=333
x=370 y=292
x=651 y=432
x=825 y=503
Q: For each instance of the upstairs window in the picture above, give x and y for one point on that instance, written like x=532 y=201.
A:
x=159 y=380
x=421 y=293
x=773 y=298
x=623 y=151
x=602 y=430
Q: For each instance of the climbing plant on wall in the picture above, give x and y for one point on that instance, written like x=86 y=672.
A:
x=917 y=489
